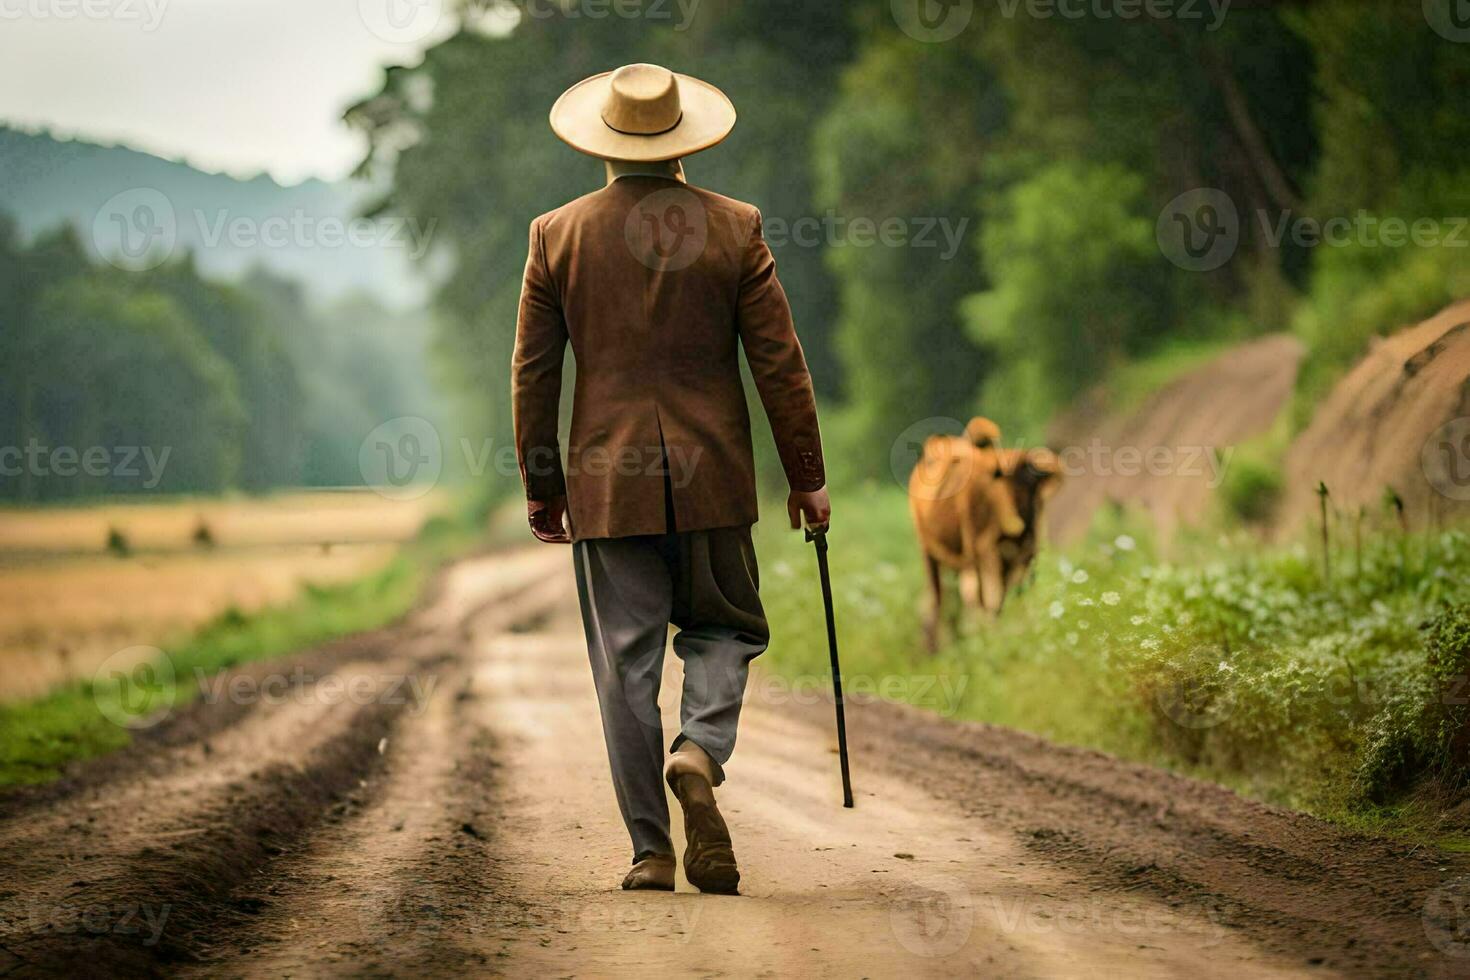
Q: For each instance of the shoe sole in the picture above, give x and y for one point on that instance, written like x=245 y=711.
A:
x=709 y=857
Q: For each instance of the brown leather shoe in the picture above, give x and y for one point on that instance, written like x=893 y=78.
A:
x=653 y=873
x=709 y=859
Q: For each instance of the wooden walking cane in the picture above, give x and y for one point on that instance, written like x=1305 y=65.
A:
x=818 y=535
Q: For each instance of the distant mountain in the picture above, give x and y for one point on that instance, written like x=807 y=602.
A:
x=133 y=207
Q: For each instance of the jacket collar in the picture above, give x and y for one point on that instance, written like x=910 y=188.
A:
x=618 y=169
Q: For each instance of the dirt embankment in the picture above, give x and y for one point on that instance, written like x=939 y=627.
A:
x=1168 y=456
x=1400 y=421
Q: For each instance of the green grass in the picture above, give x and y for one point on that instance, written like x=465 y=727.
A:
x=1232 y=661
x=84 y=719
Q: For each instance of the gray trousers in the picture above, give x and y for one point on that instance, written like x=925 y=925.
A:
x=631 y=589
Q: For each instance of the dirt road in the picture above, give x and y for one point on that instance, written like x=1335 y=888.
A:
x=1168 y=456
x=432 y=799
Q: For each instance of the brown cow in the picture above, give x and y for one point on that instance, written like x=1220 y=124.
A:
x=973 y=516
x=961 y=509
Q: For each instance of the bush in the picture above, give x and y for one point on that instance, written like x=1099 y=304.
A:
x=1252 y=490
x=1077 y=287
x=118 y=543
x=1423 y=732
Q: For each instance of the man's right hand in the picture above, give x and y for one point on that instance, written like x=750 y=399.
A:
x=548 y=520
x=813 y=505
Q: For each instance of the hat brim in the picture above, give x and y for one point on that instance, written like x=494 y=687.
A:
x=708 y=116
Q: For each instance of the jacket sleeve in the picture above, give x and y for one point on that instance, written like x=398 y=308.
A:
x=541 y=339
x=778 y=365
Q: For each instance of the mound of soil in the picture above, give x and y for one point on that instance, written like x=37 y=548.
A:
x=1398 y=421
x=1168 y=456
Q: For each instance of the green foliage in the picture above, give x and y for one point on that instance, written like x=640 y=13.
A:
x=92 y=362
x=226 y=386
x=1361 y=292
x=1392 y=110
x=356 y=365
x=257 y=367
x=1422 y=731
x=1391 y=99
x=1252 y=488
x=1073 y=260
x=905 y=140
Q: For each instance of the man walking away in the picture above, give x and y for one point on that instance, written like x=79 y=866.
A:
x=656 y=285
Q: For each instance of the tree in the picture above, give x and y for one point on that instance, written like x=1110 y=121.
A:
x=1073 y=261
x=905 y=141
x=238 y=328
x=114 y=367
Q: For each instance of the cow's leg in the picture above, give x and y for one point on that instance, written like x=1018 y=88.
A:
x=988 y=568
x=970 y=587
x=957 y=609
x=936 y=600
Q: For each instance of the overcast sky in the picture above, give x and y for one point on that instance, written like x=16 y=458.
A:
x=229 y=85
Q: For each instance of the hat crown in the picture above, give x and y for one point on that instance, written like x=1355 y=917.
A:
x=643 y=100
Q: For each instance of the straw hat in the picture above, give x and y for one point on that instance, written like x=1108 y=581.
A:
x=643 y=113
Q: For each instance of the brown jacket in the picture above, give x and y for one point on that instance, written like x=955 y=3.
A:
x=654 y=282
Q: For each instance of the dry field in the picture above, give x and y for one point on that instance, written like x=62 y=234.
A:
x=67 y=603
x=336 y=517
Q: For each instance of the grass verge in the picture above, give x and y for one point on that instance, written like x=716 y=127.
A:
x=1232 y=661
